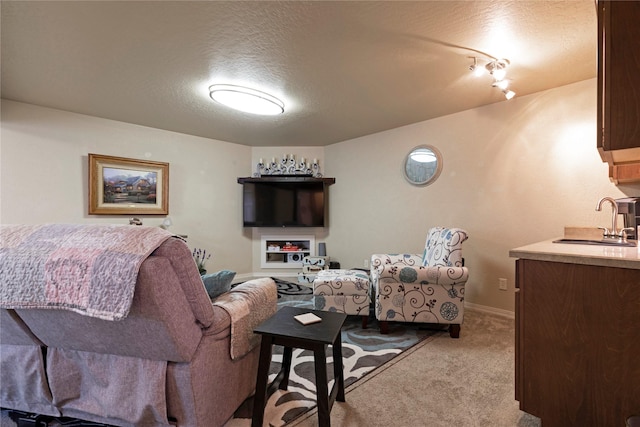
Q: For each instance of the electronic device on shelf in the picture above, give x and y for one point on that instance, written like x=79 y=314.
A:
x=295 y=257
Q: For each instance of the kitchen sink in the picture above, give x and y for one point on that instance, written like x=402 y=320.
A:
x=630 y=244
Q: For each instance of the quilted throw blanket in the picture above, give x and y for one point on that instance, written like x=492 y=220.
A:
x=86 y=268
x=248 y=305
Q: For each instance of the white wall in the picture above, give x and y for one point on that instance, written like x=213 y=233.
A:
x=514 y=173
x=44 y=170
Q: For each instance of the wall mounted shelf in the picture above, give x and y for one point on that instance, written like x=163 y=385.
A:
x=287 y=178
x=274 y=252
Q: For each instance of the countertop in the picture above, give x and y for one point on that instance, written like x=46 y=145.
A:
x=605 y=256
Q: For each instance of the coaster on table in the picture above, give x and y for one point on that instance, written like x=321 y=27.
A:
x=307 y=318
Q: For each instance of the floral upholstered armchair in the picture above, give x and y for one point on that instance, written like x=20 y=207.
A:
x=426 y=288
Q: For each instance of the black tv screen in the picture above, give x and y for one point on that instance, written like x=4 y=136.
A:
x=283 y=204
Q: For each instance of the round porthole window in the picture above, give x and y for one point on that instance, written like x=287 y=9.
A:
x=422 y=165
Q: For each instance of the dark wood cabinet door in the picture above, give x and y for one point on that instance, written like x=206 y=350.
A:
x=578 y=343
x=618 y=74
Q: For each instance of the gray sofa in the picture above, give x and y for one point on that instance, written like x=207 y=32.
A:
x=168 y=362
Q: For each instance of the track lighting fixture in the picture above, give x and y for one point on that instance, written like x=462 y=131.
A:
x=497 y=69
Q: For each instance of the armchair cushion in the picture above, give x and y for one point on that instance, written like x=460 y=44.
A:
x=444 y=247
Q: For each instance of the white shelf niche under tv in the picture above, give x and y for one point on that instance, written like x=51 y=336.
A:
x=274 y=252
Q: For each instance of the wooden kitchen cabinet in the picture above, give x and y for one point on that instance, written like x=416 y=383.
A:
x=577 y=343
x=619 y=88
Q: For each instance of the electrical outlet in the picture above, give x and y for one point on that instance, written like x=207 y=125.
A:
x=366 y=263
x=502 y=284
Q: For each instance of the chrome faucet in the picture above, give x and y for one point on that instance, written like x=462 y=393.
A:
x=613 y=233
x=614 y=217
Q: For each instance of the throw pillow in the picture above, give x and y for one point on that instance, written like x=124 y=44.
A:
x=218 y=283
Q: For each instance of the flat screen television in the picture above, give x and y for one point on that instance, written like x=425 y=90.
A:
x=283 y=204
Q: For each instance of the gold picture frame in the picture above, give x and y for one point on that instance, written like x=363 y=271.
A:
x=121 y=186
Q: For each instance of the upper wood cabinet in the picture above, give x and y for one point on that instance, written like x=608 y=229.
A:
x=619 y=88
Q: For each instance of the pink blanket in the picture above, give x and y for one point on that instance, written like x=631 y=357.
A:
x=86 y=268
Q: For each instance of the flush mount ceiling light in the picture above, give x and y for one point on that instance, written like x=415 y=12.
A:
x=497 y=68
x=246 y=99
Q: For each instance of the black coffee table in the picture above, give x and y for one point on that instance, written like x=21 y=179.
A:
x=282 y=329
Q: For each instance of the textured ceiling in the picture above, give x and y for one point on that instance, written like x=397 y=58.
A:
x=344 y=69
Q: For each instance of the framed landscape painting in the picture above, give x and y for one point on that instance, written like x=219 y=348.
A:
x=121 y=186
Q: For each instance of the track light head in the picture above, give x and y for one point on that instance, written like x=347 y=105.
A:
x=497 y=69
x=475 y=68
x=501 y=84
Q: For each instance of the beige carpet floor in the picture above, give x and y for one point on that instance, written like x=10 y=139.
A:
x=440 y=382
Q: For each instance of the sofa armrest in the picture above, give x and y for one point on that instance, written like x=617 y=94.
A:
x=422 y=275
x=256 y=289
x=248 y=305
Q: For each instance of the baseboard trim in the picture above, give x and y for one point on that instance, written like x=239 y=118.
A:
x=489 y=310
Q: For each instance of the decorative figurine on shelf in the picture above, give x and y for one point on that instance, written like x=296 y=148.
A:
x=201 y=256
x=288 y=166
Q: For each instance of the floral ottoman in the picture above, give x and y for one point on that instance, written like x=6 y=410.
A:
x=344 y=291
